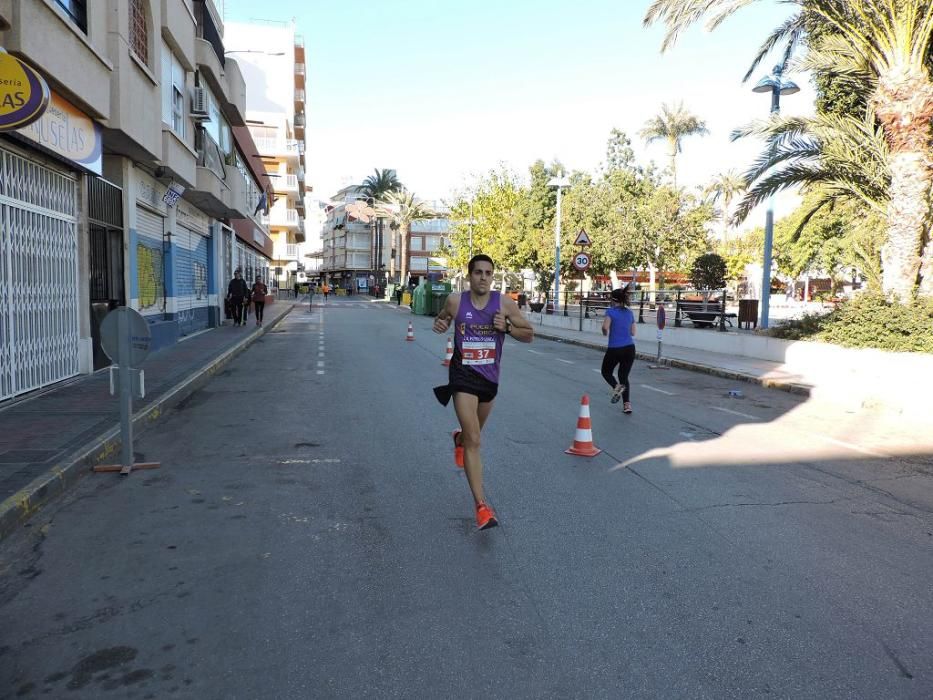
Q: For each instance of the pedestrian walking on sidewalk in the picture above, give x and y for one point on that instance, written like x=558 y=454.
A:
x=259 y=292
x=296 y=287
x=237 y=292
x=619 y=325
x=482 y=318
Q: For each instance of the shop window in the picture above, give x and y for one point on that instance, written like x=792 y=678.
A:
x=139 y=30
x=77 y=11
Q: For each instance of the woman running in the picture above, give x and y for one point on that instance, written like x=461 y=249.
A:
x=619 y=325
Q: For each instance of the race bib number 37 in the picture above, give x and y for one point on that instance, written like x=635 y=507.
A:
x=479 y=352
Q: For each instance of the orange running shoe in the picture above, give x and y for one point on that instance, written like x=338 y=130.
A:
x=458 y=449
x=485 y=517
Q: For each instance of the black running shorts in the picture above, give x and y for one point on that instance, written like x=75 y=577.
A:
x=465 y=381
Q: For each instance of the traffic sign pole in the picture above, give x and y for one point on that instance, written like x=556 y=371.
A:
x=125 y=338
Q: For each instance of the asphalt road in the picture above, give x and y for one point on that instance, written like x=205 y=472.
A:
x=309 y=537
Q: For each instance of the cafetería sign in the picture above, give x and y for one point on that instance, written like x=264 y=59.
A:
x=24 y=94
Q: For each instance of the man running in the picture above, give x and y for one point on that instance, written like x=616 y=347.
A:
x=481 y=320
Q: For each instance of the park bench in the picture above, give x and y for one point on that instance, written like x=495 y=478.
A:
x=702 y=312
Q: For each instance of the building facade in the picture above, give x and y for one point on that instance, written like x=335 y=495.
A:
x=273 y=59
x=127 y=189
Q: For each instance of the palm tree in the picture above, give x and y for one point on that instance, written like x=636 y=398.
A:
x=381 y=183
x=673 y=126
x=726 y=186
x=887 y=45
x=375 y=188
x=402 y=208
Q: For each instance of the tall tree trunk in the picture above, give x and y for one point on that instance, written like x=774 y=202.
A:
x=392 y=252
x=674 y=163
x=908 y=213
x=404 y=232
x=904 y=106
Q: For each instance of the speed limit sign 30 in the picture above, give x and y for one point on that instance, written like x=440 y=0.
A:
x=581 y=261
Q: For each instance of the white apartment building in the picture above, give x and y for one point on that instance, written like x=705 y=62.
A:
x=272 y=57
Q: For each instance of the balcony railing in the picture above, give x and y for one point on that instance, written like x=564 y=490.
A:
x=299 y=69
x=291 y=182
x=299 y=95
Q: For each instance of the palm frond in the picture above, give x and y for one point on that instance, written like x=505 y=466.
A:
x=790 y=33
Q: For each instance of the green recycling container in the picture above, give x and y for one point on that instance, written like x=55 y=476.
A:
x=420 y=301
x=439 y=293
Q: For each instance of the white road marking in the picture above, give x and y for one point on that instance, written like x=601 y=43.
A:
x=320 y=363
x=534 y=351
x=654 y=388
x=566 y=362
x=851 y=446
x=735 y=413
x=320 y=354
x=320 y=371
x=600 y=372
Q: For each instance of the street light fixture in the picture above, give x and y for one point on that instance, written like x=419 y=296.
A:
x=777 y=86
x=559 y=182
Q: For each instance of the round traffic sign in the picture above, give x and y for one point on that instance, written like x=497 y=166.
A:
x=581 y=261
x=134 y=330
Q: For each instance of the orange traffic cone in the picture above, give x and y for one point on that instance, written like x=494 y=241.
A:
x=411 y=332
x=583 y=440
x=450 y=353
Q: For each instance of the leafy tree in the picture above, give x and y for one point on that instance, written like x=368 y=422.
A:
x=708 y=272
x=881 y=50
x=673 y=125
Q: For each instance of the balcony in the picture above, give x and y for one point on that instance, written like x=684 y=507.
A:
x=285 y=184
x=178 y=157
x=234 y=97
x=300 y=96
x=281 y=217
x=278 y=148
x=300 y=233
x=210 y=194
x=210 y=68
x=299 y=69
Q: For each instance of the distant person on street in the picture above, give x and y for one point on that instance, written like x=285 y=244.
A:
x=482 y=318
x=325 y=290
x=296 y=289
x=619 y=325
x=259 y=292
x=237 y=292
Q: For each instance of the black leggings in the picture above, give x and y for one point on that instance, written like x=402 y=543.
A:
x=624 y=358
x=260 y=307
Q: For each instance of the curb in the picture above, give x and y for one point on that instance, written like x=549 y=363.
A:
x=789 y=387
x=18 y=508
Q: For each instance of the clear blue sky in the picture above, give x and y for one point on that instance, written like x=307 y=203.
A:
x=440 y=90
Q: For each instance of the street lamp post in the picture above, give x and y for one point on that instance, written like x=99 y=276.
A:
x=559 y=182
x=777 y=86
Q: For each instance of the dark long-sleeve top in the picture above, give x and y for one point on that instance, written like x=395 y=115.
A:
x=238 y=288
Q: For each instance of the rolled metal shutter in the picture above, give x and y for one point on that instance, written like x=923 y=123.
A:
x=191 y=299
x=150 y=259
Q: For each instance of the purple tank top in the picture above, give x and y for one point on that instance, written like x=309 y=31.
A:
x=476 y=338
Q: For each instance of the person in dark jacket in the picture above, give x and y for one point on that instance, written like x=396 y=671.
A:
x=237 y=293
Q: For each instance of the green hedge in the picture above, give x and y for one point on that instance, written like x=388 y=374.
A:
x=868 y=321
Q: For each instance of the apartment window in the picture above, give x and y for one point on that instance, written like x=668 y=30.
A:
x=77 y=11
x=173 y=91
x=139 y=30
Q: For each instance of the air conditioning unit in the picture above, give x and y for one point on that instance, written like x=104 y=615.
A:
x=199 y=105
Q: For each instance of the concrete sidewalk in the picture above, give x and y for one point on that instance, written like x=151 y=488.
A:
x=746 y=369
x=53 y=437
